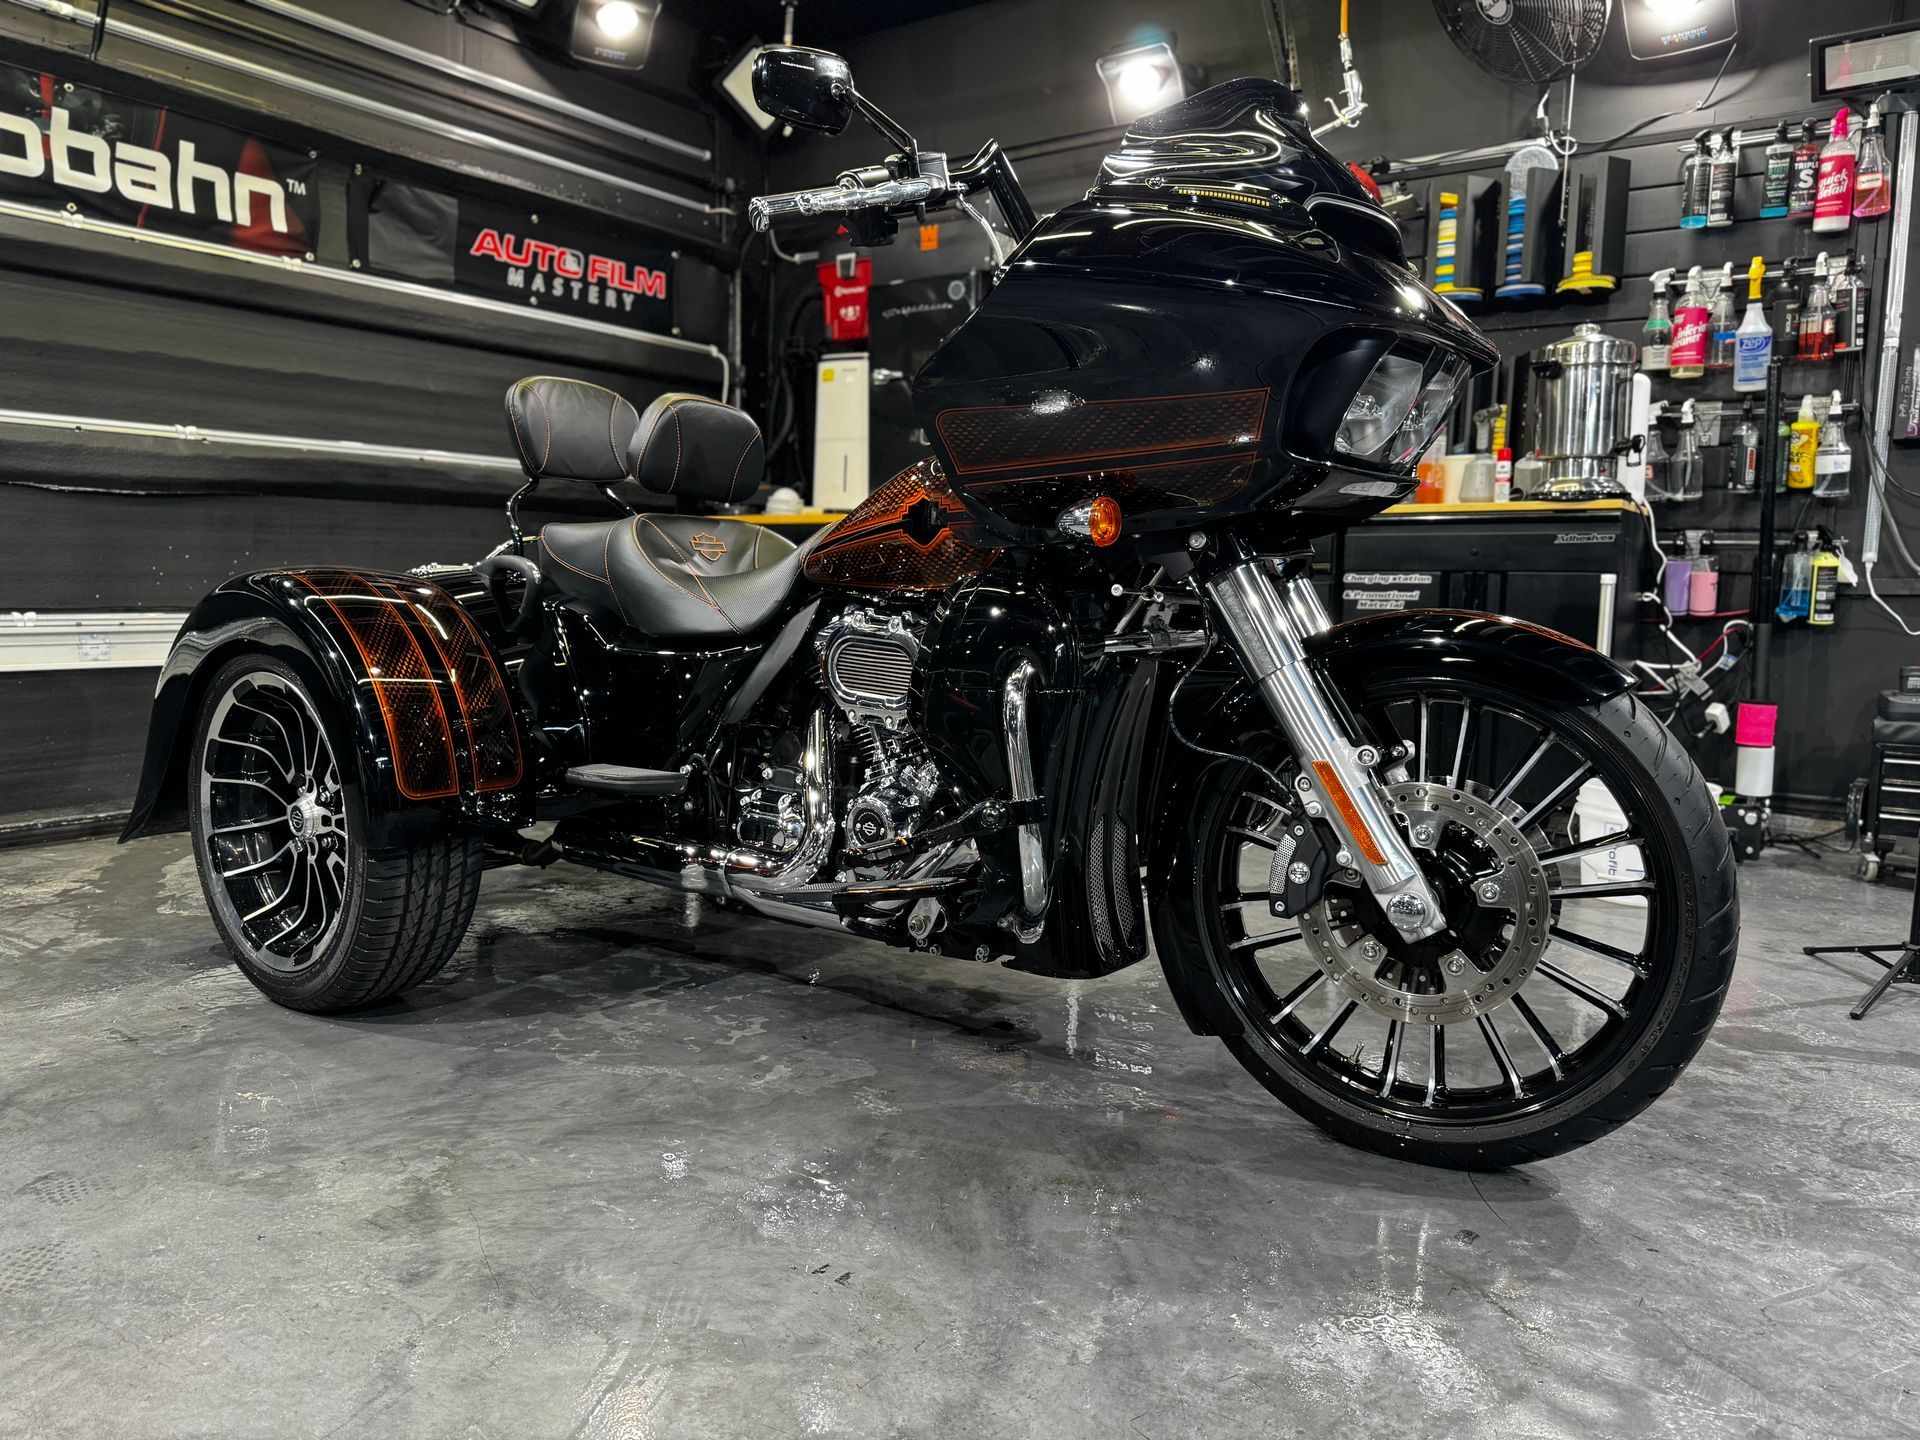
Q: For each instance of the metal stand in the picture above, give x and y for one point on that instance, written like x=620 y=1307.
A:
x=1905 y=966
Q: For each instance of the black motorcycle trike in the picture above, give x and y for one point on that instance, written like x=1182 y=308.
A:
x=1063 y=689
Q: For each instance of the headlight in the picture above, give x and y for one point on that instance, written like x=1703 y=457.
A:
x=1380 y=407
x=1399 y=406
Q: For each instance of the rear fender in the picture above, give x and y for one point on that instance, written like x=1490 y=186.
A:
x=409 y=685
x=1218 y=708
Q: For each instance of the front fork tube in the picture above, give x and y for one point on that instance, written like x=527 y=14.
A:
x=1269 y=613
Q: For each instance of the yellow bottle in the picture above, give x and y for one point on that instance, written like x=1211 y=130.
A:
x=1803 y=447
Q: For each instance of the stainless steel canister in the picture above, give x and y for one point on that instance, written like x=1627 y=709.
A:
x=1577 y=409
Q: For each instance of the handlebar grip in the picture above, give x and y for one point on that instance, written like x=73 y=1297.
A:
x=839 y=200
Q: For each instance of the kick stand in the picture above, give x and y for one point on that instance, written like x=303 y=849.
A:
x=1904 y=966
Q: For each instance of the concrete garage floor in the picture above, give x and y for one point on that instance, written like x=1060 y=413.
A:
x=638 y=1167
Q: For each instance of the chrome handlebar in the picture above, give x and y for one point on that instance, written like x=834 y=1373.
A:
x=845 y=198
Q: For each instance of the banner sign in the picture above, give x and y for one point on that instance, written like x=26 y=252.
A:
x=64 y=145
x=487 y=249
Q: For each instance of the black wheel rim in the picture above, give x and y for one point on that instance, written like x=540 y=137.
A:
x=1610 y=916
x=272 y=823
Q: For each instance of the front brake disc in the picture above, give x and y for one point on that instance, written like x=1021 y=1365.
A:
x=1508 y=877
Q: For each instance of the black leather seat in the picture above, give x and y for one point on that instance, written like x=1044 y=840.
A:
x=667 y=575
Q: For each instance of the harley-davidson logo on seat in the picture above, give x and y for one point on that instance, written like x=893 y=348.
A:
x=710 y=547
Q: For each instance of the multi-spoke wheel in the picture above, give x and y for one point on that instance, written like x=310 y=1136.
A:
x=313 y=916
x=1588 y=893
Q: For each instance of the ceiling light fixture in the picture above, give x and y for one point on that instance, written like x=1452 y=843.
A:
x=614 y=33
x=1141 y=79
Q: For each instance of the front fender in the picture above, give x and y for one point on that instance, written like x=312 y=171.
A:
x=1220 y=709
x=410 y=686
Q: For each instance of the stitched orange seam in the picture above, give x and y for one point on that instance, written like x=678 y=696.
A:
x=647 y=444
x=513 y=419
x=546 y=458
x=736 y=471
x=679 y=450
x=708 y=594
x=583 y=574
x=606 y=561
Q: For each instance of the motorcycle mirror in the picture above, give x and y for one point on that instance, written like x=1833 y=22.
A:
x=809 y=88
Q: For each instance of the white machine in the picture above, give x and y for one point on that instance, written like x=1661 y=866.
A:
x=841 y=387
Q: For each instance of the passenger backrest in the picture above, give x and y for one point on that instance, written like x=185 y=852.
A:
x=684 y=445
x=570 y=430
x=690 y=446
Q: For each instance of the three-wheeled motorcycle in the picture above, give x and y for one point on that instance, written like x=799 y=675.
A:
x=1436 y=878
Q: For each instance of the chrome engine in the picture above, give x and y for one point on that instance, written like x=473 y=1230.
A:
x=867 y=660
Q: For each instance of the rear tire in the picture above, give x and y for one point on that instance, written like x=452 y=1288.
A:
x=316 y=919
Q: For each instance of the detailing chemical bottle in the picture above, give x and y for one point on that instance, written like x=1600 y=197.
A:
x=1782 y=454
x=1476 y=486
x=1872 y=180
x=1848 y=295
x=1703 y=586
x=1805 y=178
x=1803 y=447
x=1723 y=322
x=1796 y=581
x=1676 y=583
x=1823 y=585
x=1722 y=161
x=1689 y=465
x=1833 y=460
x=1753 y=341
x=1502 y=475
x=1743 y=453
x=1753 y=728
x=1816 y=317
x=1833 y=191
x=1658 y=467
x=1696 y=179
x=1773 y=191
x=1656 y=337
x=1688 y=359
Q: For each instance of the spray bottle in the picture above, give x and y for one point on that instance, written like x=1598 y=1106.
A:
x=1703 y=592
x=1753 y=341
x=1688 y=360
x=1654 y=458
x=1833 y=460
x=1833 y=190
x=1816 y=316
x=1803 y=448
x=1689 y=465
x=1773 y=191
x=1676 y=582
x=1872 y=179
x=1656 y=342
x=1722 y=160
x=1823 y=581
x=1796 y=580
x=1696 y=179
x=1743 y=453
x=1805 y=178
x=1722 y=323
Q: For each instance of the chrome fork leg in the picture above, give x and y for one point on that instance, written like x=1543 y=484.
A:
x=1033 y=856
x=1269 y=614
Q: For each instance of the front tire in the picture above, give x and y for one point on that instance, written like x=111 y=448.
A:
x=314 y=917
x=1558 y=1035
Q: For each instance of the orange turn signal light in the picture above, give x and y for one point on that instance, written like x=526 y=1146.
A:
x=1097 y=520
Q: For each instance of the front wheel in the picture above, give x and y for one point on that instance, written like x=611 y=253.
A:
x=314 y=916
x=1591 y=911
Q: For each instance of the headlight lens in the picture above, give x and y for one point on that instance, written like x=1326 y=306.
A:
x=1380 y=407
x=1399 y=406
